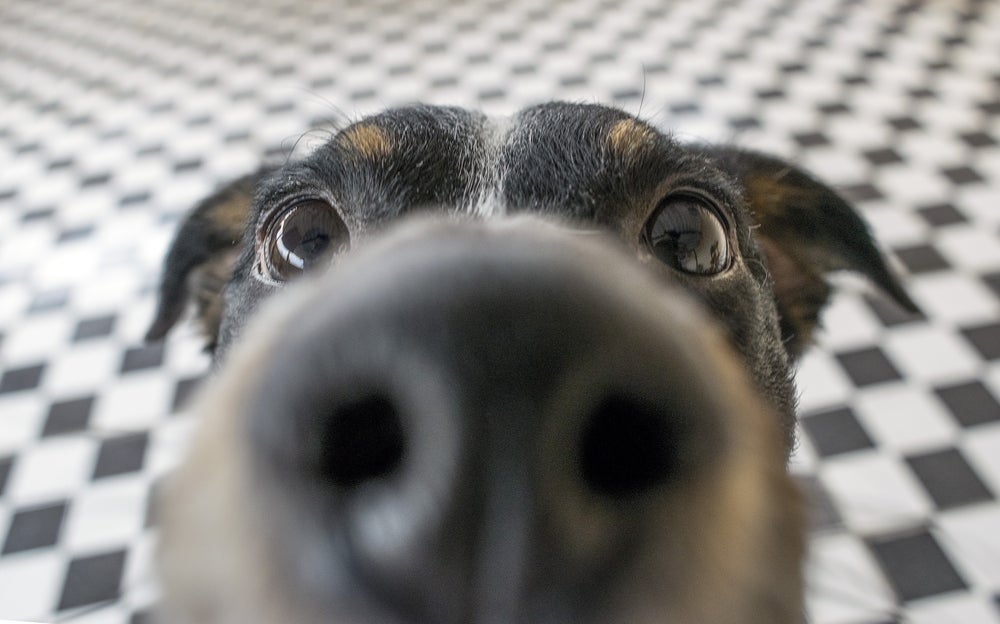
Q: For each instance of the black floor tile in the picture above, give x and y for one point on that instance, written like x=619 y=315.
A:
x=883 y=156
x=92 y=579
x=979 y=139
x=861 y=192
x=94 y=327
x=904 y=123
x=939 y=215
x=811 y=139
x=948 y=478
x=970 y=403
x=986 y=339
x=38 y=527
x=836 y=431
x=889 y=313
x=922 y=259
x=121 y=455
x=68 y=416
x=962 y=175
x=17 y=379
x=142 y=358
x=915 y=565
x=868 y=366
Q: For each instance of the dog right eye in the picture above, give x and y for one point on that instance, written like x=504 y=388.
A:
x=686 y=233
x=301 y=237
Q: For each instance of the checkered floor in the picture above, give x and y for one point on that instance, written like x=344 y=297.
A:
x=115 y=116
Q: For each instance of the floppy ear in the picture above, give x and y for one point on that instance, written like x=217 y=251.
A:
x=201 y=259
x=805 y=230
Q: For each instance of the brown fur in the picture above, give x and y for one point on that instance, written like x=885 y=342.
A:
x=628 y=138
x=489 y=320
x=201 y=258
x=367 y=140
x=206 y=284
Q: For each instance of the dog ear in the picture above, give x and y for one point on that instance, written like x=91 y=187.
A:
x=201 y=259
x=805 y=230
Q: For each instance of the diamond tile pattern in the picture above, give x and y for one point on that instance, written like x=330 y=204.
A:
x=948 y=478
x=986 y=340
x=94 y=327
x=121 y=455
x=941 y=214
x=118 y=116
x=971 y=403
x=916 y=566
x=34 y=528
x=836 y=431
x=868 y=366
x=921 y=259
x=139 y=358
x=17 y=379
x=93 y=579
x=68 y=416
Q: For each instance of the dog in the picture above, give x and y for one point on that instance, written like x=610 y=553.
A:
x=526 y=370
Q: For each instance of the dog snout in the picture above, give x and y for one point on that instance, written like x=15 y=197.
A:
x=495 y=424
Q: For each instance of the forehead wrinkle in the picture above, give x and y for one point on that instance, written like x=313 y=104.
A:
x=417 y=157
x=578 y=160
x=585 y=162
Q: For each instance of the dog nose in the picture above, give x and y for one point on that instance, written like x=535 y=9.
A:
x=467 y=419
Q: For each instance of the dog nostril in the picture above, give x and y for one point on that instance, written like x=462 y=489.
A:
x=628 y=447
x=364 y=440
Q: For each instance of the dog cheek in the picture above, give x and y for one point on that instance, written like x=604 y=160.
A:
x=209 y=557
x=240 y=301
x=748 y=315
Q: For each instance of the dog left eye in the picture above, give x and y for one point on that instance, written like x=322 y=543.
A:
x=686 y=233
x=307 y=235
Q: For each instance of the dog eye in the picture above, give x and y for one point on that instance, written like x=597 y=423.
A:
x=686 y=234
x=307 y=235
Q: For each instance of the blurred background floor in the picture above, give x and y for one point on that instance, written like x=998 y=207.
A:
x=116 y=116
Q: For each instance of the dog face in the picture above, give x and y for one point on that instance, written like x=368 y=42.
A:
x=561 y=392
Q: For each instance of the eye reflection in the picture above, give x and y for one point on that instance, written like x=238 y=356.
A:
x=305 y=236
x=685 y=233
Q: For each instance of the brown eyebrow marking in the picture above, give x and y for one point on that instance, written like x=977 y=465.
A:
x=367 y=140
x=630 y=138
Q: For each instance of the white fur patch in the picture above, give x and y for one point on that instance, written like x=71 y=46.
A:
x=485 y=200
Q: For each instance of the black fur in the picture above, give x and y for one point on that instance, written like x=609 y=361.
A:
x=422 y=416
x=556 y=160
